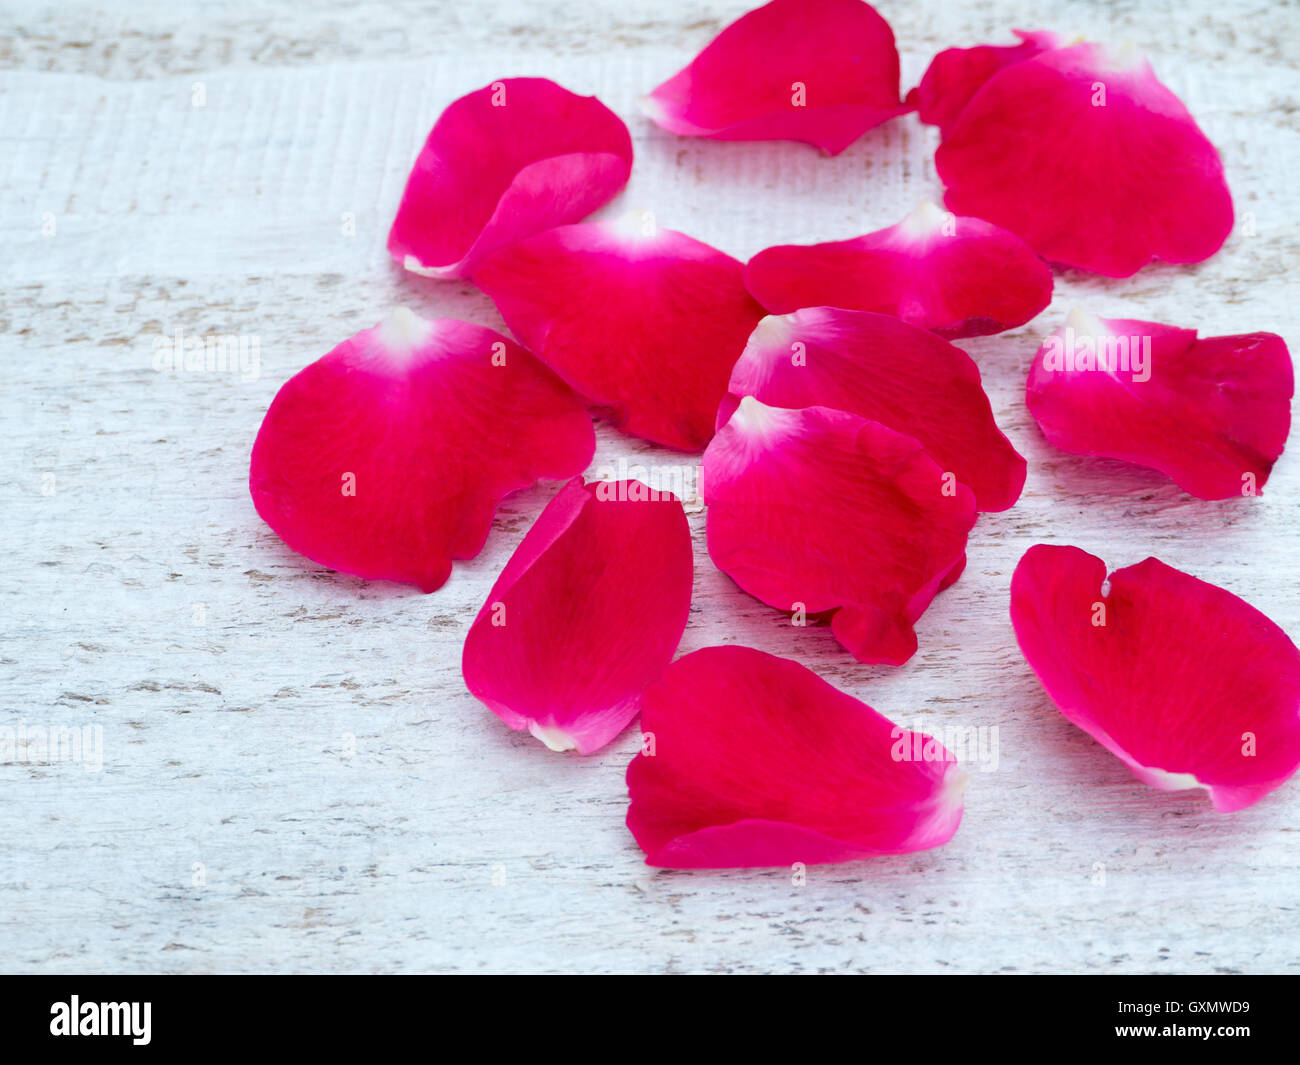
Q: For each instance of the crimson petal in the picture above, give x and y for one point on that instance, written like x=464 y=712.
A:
x=1085 y=155
x=957 y=74
x=885 y=370
x=960 y=277
x=387 y=457
x=818 y=71
x=753 y=760
x=1212 y=413
x=588 y=610
x=514 y=158
x=643 y=321
x=1184 y=682
x=819 y=510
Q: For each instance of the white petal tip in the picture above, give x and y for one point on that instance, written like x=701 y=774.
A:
x=927 y=219
x=554 y=738
x=405 y=329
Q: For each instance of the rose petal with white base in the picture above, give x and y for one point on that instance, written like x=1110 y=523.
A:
x=589 y=609
x=1088 y=158
x=883 y=369
x=642 y=321
x=387 y=457
x=822 y=512
x=512 y=159
x=1184 y=682
x=750 y=760
x=818 y=71
x=959 y=277
x=1213 y=413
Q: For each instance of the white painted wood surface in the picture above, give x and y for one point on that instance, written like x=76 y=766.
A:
x=293 y=775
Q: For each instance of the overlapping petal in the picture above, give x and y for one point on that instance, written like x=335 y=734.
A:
x=1086 y=156
x=753 y=760
x=821 y=511
x=883 y=369
x=957 y=74
x=960 y=277
x=1184 y=682
x=1213 y=413
x=509 y=160
x=818 y=71
x=643 y=321
x=387 y=457
x=588 y=610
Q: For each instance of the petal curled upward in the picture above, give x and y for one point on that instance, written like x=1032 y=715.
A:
x=514 y=158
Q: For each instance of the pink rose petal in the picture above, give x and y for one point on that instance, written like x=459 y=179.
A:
x=1212 y=413
x=960 y=277
x=757 y=761
x=514 y=158
x=1088 y=158
x=588 y=610
x=1185 y=683
x=820 y=511
x=387 y=457
x=643 y=321
x=885 y=370
x=957 y=74
x=818 y=71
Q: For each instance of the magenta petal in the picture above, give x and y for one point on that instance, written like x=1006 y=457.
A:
x=1187 y=684
x=588 y=610
x=753 y=760
x=819 y=510
x=960 y=277
x=387 y=457
x=1092 y=161
x=514 y=158
x=818 y=71
x=890 y=372
x=643 y=321
x=1212 y=413
x=956 y=74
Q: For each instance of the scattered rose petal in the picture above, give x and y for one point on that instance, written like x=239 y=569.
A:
x=1212 y=413
x=643 y=321
x=588 y=610
x=1093 y=162
x=957 y=74
x=888 y=371
x=514 y=158
x=818 y=71
x=387 y=457
x=753 y=760
x=960 y=277
x=816 y=511
x=1187 y=684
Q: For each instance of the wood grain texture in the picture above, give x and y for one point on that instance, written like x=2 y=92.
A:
x=294 y=778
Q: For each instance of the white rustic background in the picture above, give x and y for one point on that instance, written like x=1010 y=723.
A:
x=294 y=777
